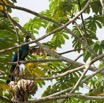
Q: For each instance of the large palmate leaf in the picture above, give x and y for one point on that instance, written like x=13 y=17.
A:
x=35 y=24
x=7 y=39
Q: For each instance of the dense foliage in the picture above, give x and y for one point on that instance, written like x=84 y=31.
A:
x=44 y=62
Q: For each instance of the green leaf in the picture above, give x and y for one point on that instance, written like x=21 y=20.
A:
x=96 y=7
x=66 y=36
x=86 y=55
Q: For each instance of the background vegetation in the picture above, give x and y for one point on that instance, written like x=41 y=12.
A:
x=65 y=20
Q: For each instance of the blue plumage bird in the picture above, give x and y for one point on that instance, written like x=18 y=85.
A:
x=23 y=52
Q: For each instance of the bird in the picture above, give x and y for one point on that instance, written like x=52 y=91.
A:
x=23 y=52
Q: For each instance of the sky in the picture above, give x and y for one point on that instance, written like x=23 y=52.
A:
x=38 y=6
x=35 y=5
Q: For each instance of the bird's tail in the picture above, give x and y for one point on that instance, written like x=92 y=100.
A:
x=11 y=76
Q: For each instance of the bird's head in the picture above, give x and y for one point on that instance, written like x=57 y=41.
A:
x=27 y=38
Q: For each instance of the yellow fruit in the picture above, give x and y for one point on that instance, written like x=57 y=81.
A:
x=5 y=1
x=30 y=65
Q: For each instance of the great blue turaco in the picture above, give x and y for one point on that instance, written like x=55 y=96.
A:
x=23 y=52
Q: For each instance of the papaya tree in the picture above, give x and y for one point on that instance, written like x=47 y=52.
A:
x=71 y=59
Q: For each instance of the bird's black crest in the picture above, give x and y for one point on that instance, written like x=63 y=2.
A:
x=28 y=36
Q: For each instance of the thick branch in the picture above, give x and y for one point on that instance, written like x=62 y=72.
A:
x=66 y=96
x=56 y=30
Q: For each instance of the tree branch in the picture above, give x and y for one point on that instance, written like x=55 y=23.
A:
x=62 y=26
x=73 y=19
x=58 y=29
x=48 y=50
x=85 y=79
x=87 y=66
x=66 y=96
x=56 y=76
x=85 y=34
x=70 y=51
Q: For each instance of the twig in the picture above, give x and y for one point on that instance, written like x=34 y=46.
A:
x=87 y=66
x=31 y=12
x=71 y=64
x=70 y=71
x=39 y=60
x=78 y=57
x=16 y=31
x=85 y=34
x=70 y=51
x=85 y=79
x=82 y=42
x=56 y=76
x=102 y=4
x=46 y=60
